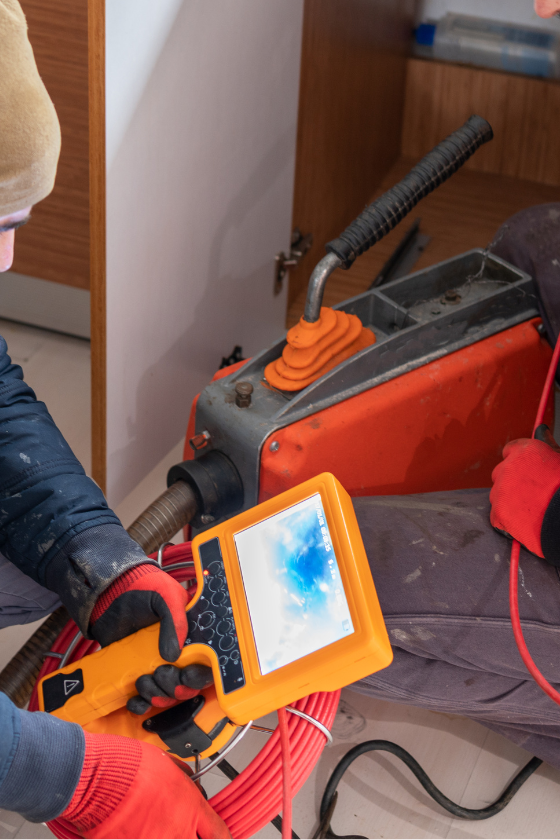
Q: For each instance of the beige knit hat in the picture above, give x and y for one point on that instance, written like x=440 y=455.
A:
x=29 y=129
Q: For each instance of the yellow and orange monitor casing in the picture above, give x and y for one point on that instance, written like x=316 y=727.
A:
x=237 y=604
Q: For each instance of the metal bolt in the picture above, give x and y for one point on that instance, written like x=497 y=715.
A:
x=243 y=391
x=148 y=724
x=207 y=518
x=274 y=446
x=451 y=296
x=188 y=745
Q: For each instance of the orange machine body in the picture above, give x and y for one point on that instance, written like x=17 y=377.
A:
x=441 y=426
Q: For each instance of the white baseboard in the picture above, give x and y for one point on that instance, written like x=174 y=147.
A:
x=53 y=306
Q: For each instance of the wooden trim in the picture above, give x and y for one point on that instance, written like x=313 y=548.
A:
x=97 y=180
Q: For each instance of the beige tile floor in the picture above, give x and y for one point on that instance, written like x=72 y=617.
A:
x=378 y=796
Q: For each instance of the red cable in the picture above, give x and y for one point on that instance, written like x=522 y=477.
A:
x=514 y=563
x=517 y=631
x=549 y=381
x=255 y=796
x=286 y=775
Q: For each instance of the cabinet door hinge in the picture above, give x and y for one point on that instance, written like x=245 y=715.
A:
x=299 y=247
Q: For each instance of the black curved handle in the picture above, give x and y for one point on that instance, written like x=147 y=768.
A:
x=388 y=210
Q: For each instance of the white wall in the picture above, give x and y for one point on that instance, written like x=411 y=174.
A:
x=515 y=11
x=199 y=199
x=136 y=34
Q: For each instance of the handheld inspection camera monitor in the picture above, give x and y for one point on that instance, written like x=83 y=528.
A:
x=285 y=606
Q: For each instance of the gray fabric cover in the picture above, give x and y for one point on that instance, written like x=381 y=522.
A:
x=441 y=574
x=22 y=600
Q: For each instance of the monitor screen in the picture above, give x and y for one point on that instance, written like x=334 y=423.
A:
x=293 y=587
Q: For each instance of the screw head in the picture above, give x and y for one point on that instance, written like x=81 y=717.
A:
x=451 y=296
x=274 y=446
x=243 y=391
x=207 y=518
x=188 y=745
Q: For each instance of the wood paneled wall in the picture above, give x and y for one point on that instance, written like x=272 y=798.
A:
x=523 y=111
x=350 y=113
x=55 y=244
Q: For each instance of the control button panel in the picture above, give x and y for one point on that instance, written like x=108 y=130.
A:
x=211 y=620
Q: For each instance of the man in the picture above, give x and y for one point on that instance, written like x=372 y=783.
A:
x=56 y=529
x=442 y=573
x=8 y=226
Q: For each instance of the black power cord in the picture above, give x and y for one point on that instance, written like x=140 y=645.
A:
x=328 y=802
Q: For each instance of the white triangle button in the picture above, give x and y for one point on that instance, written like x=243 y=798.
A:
x=70 y=685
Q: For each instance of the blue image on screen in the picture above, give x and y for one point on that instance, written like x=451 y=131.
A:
x=293 y=586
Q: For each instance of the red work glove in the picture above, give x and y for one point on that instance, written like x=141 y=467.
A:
x=167 y=685
x=132 y=789
x=524 y=498
x=136 y=599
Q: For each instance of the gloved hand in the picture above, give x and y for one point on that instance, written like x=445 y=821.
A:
x=132 y=789
x=167 y=685
x=136 y=599
x=524 y=498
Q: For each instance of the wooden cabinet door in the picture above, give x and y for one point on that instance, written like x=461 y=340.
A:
x=353 y=72
x=56 y=246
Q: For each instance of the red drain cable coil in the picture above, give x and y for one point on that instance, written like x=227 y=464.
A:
x=263 y=788
x=514 y=564
x=286 y=774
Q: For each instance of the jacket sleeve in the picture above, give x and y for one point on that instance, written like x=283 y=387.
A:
x=55 y=524
x=41 y=760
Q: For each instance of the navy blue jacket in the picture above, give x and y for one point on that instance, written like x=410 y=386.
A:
x=56 y=526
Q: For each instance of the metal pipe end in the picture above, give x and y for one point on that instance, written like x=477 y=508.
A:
x=316 y=287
